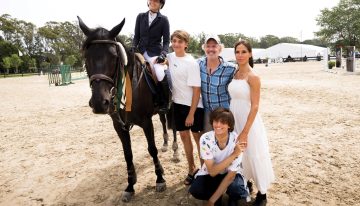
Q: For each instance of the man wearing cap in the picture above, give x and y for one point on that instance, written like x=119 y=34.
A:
x=215 y=74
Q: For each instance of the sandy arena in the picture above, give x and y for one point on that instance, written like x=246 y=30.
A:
x=55 y=151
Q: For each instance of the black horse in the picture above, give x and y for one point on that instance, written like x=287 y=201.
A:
x=106 y=59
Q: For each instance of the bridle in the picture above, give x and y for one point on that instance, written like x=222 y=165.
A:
x=112 y=80
x=121 y=63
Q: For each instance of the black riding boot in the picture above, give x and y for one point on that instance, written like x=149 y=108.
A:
x=260 y=199
x=163 y=96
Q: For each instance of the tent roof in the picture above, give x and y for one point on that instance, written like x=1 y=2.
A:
x=283 y=50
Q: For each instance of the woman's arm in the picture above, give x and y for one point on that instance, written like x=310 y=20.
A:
x=255 y=84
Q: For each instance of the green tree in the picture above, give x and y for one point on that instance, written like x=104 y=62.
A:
x=27 y=33
x=61 y=39
x=32 y=65
x=6 y=49
x=194 y=46
x=45 y=65
x=6 y=63
x=316 y=42
x=7 y=26
x=341 y=24
x=127 y=40
x=20 y=33
x=15 y=61
x=230 y=39
x=70 y=60
x=268 y=41
x=289 y=39
x=253 y=42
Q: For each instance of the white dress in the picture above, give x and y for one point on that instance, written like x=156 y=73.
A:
x=256 y=159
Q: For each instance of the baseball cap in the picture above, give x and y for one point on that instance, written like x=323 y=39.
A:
x=214 y=37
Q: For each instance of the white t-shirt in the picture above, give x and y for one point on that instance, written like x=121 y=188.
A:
x=185 y=74
x=209 y=150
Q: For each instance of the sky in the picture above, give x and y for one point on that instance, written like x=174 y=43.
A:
x=253 y=18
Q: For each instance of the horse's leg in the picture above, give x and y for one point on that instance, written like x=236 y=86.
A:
x=159 y=171
x=165 y=134
x=126 y=144
x=171 y=119
x=175 y=147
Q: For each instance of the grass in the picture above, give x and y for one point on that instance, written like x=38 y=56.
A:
x=17 y=75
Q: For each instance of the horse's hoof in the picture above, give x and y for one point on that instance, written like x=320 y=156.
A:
x=160 y=187
x=164 y=148
x=166 y=137
x=175 y=146
x=175 y=159
x=126 y=196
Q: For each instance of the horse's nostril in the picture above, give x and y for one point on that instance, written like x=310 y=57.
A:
x=106 y=102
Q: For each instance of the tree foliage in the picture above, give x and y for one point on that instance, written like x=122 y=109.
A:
x=61 y=39
x=6 y=64
x=57 y=42
x=15 y=61
x=230 y=39
x=268 y=41
x=341 y=24
x=70 y=60
x=289 y=39
x=6 y=50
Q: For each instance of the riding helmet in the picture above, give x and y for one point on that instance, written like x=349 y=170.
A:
x=162 y=2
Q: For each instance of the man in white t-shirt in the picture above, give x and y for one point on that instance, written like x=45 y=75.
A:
x=188 y=108
x=222 y=168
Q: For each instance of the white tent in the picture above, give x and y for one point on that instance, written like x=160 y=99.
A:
x=258 y=53
x=228 y=54
x=283 y=50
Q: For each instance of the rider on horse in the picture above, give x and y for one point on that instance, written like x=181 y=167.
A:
x=152 y=38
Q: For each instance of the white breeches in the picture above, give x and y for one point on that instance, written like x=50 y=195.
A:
x=158 y=68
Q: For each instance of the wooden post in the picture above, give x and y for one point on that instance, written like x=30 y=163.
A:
x=350 y=60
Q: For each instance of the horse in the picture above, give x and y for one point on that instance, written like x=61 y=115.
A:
x=106 y=59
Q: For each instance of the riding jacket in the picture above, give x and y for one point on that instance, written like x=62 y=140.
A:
x=148 y=38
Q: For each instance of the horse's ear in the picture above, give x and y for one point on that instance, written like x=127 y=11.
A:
x=116 y=30
x=83 y=27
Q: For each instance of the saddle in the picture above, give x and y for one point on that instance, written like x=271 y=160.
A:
x=149 y=73
x=160 y=90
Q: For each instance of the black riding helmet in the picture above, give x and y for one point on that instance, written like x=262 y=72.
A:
x=162 y=2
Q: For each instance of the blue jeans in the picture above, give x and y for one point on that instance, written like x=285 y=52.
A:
x=203 y=187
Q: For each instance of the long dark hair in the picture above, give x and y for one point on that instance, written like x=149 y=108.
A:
x=249 y=48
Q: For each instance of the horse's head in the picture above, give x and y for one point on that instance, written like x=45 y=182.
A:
x=104 y=57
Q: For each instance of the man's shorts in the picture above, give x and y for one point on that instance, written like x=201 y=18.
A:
x=180 y=114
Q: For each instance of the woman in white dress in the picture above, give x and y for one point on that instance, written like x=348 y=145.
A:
x=244 y=91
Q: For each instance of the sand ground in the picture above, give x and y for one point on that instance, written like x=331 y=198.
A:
x=55 y=151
